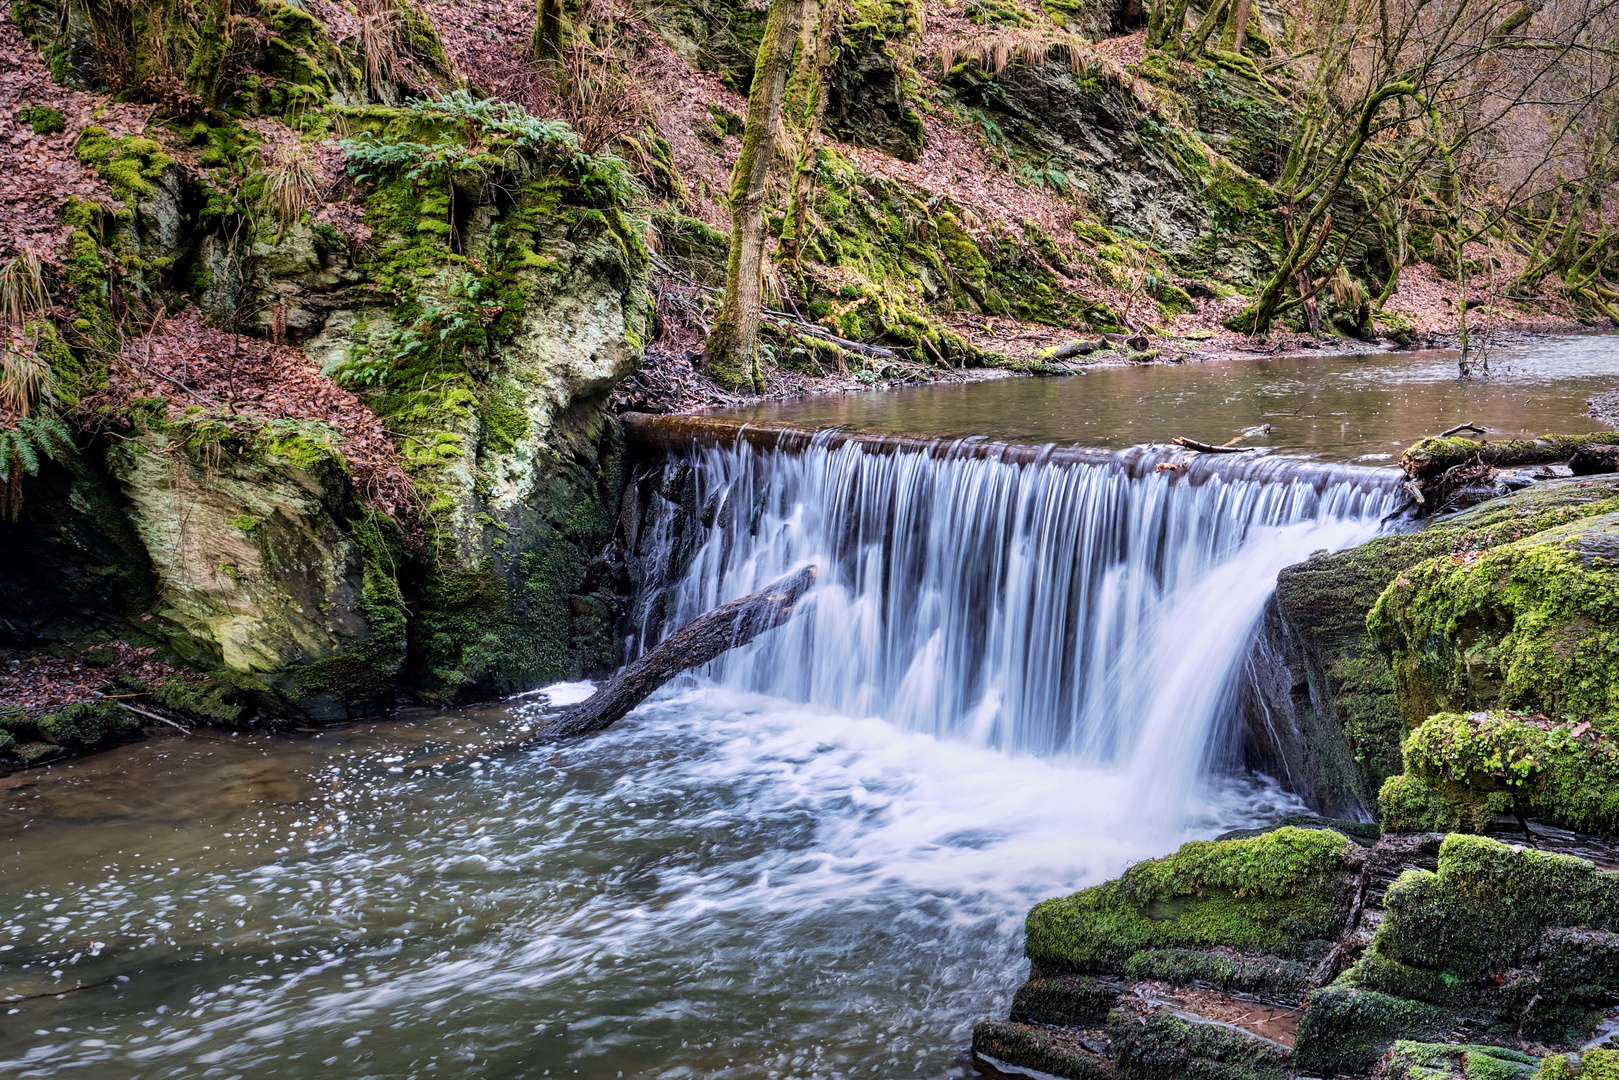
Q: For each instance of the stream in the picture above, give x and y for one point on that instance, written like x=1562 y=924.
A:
x=811 y=859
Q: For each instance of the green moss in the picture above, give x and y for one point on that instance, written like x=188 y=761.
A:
x=38 y=753
x=1065 y=999
x=504 y=424
x=370 y=667
x=14 y=720
x=43 y=119
x=1527 y=927
x=1281 y=893
x=1344 y=1030
x=1410 y=804
x=128 y=164
x=1354 y=719
x=1432 y=456
x=1162 y=1044
x=87 y=725
x=1270 y=977
x=1037 y=1048
x=245 y=522
x=1532 y=624
x=1410 y=1060
x=205 y=702
x=1502 y=761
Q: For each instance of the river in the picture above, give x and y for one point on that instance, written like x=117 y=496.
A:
x=811 y=860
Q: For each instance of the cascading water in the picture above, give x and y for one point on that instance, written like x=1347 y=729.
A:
x=750 y=878
x=1095 y=610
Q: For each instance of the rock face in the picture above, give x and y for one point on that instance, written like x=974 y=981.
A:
x=473 y=319
x=1299 y=950
x=1324 y=678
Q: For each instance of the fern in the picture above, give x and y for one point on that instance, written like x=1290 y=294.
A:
x=21 y=449
x=34 y=438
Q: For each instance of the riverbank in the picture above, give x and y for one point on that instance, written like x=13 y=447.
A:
x=671 y=380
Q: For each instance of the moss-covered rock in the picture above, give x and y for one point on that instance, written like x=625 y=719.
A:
x=1027 y=1046
x=1344 y=697
x=1486 y=763
x=1519 y=938
x=89 y=725
x=1065 y=999
x=1164 y=1045
x=1346 y=1030
x=1283 y=894
x=1410 y=1060
x=1529 y=624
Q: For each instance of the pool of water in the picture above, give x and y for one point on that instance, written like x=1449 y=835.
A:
x=724 y=885
x=1364 y=408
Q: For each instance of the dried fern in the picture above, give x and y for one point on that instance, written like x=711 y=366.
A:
x=291 y=182
x=23 y=295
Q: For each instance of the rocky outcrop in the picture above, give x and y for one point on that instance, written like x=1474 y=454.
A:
x=1300 y=951
x=416 y=499
x=1343 y=696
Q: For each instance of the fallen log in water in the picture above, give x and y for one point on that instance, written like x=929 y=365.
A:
x=699 y=641
x=728 y=626
x=1433 y=457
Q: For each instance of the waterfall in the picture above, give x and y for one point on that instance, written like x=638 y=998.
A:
x=1092 y=607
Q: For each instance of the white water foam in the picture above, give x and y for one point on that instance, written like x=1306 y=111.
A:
x=1092 y=612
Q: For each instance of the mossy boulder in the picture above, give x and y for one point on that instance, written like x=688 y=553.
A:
x=1336 y=680
x=314 y=580
x=1531 y=624
x=1481 y=764
x=1283 y=895
x=1050 y=1051
x=1522 y=939
x=1410 y=1060
x=1165 y=1045
x=90 y=725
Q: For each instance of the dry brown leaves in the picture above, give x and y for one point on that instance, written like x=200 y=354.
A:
x=42 y=684
x=250 y=381
x=39 y=173
x=1429 y=300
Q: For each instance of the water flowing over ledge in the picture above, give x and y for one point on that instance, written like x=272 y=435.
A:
x=1058 y=602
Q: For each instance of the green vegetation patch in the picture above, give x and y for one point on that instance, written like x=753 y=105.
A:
x=1281 y=894
x=1532 y=625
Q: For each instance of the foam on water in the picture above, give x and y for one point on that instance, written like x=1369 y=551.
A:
x=1092 y=611
x=812 y=860
x=725 y=885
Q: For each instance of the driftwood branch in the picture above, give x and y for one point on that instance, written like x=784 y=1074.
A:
x=1474 y=428
x=1210 y=448
x=699 y=641
x=809 y=329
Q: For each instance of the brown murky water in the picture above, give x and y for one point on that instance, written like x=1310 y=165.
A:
x=1338 y=408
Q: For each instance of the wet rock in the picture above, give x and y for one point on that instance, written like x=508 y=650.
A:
x=1462 y=956
x=1594 y=458
x=89 y=725
x=1323 y=707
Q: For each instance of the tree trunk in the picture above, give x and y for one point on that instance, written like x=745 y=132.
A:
x=733 y=346
x=693 y=645
x=548 y=29
x=1169 y=30
x=1235 y=33
x=809 y=147
x=1205 y=27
